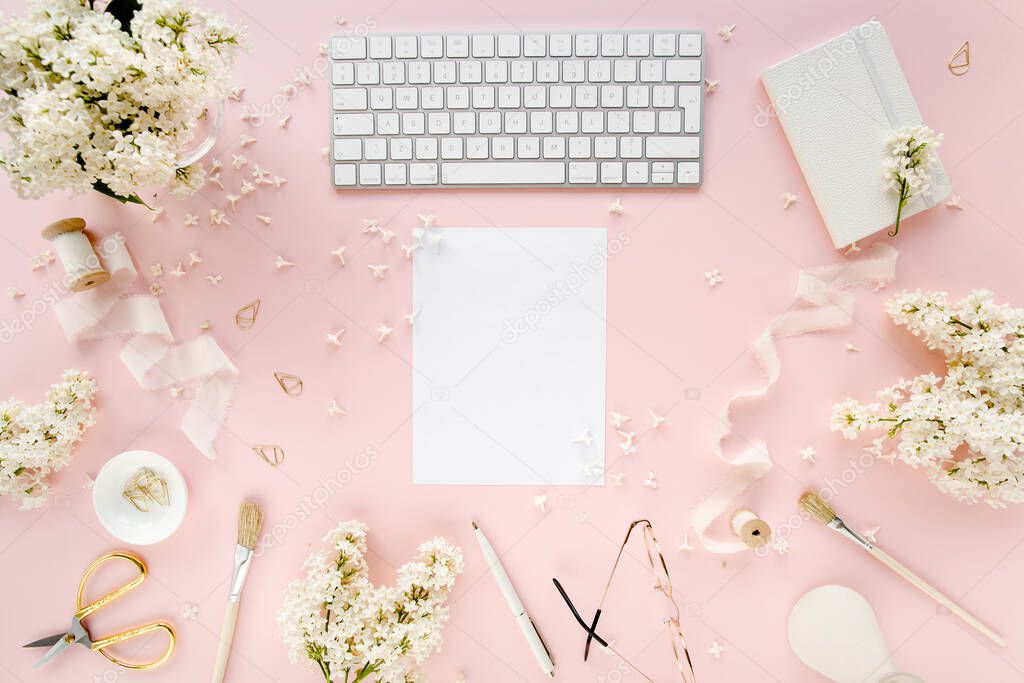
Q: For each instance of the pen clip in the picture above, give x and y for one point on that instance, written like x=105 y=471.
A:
x=542 y=643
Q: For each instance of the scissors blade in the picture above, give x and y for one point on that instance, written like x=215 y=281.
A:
x=78 y=634
x=48 y=641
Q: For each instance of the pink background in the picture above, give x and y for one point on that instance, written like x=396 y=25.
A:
x=668 y=332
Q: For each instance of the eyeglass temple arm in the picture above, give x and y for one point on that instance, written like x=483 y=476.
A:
x=590 y=634
x=572 y=608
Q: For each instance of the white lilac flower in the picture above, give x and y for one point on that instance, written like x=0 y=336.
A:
x=964 y=430
x=89 y=105
x=36 y=440
x=912 y=155
x=337 y=621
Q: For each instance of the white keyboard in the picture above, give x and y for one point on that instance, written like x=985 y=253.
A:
x=584 y=109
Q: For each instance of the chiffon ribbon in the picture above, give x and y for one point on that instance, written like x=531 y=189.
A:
x=151 y=354
x=828 y=307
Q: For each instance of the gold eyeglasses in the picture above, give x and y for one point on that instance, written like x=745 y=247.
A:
x=663 y=584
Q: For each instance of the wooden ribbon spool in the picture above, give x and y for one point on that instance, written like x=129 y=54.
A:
x=80 y=261
x=751 y=529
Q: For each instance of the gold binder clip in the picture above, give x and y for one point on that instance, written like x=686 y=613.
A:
x=271 y=454
x=245 y=318
x=290 y=384
x=960 y=62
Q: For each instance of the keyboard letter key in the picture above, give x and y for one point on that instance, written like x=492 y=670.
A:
x=671 y=147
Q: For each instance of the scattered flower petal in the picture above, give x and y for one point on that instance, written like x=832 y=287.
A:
x=428 y=219
x=710 y=86
x=214 y=279
x=788 y=199
x=264 y=219
x=334 y=338
x=541 y=502
x=281 y=262
x=725 y=32
x=378 y=270
x=656 y=420
x=808 y=454
x=334 y=409
x=382 y=332
x=954 y=202
x=716 y=649
x=618 y=419
x=616 y=207
x=586 y=438
x=713 y=277
x=191 y=219
x=238 y=161
x=651 y=482
x=339 y=253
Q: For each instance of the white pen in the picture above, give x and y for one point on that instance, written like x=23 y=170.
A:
x=536 y=643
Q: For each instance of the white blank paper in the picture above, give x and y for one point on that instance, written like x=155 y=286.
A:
x=509 y=356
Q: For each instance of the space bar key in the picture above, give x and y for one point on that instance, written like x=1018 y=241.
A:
x=503 y=173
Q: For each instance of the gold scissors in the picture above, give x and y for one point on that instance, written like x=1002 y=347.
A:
x=78 y=633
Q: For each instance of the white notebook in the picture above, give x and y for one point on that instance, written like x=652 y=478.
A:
x=838 y=103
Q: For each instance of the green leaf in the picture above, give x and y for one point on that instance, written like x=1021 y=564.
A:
x=103 y=188
x=123 y=11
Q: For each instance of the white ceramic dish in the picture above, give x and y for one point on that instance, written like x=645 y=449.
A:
x=119 y=517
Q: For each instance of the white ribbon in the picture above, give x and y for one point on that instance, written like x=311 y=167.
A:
x=150 y=352
x=830 y=308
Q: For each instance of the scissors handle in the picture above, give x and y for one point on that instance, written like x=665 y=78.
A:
x=101 y=644
x=100 y=603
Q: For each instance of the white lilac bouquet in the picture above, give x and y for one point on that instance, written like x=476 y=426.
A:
x=352 y=630
x=908 y=167
x=107 y=99
x=965 y=430
x=36 y=440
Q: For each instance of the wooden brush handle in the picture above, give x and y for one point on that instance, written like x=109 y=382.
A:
x=935 y=595
x=227 y=635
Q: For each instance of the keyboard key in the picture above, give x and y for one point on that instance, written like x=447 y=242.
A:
x=586 y=45
x=547 y=71
x=586 y=96
x=483 y=45
x=574 y=71
x=637 y=172
x=381 y=98
x=483 y=97
x=663 y=96
x=432 y=46
x=457 y=97
x=456 y=46
x=406 y=98
x=535 y=96
x=534 y=45
x=522 y=71
x=432 y=98
x=611 y=171
x=638 y=96
x=348 y=150
x=423 y=174
x=541 y=122
x=560 y=97
x=644 y=121
x=368 y=73
x=476 y=148
x=612 y=96
x=668 y=147
x=393 y=73
x=599 y=71
x=353 y=124
x=579 y=148
x=508 y=45
x=509 y=97
x=400 y=148
x=624 y=70
x=560 y=45
x=470 y=71
x=690 y=45
x=419 y=72
x=463 y=123
x=638 y=44
x=669 y=121
x=439 y=123
x=444 y=72
x=528 y=148
x=414 y=124
x=350 y=99
x=612 y=45
x=426 y=148
x=583 y=172
x=394 y=174
x=451 y=148
x=344 y=174
x=380 y=47
x=688 y=172
x=618 y=121
x=592 y=122
x=689 y=100
x=567 y=122
x=490 y=122
x=631 y=147
x=405 y=47
x=369 y=174
x=375 y=149
x=682 y=70
x=496 y=71
x=343 y=73
x=348 y=47
x=503 y=147
x=651 y=70
x=515 y=122
x=388 y=124
x=554 y=148
x=504 y=173
x=604 y=147
x=664 y=45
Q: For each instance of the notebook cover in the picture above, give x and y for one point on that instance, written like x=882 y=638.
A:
x=838 y=103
